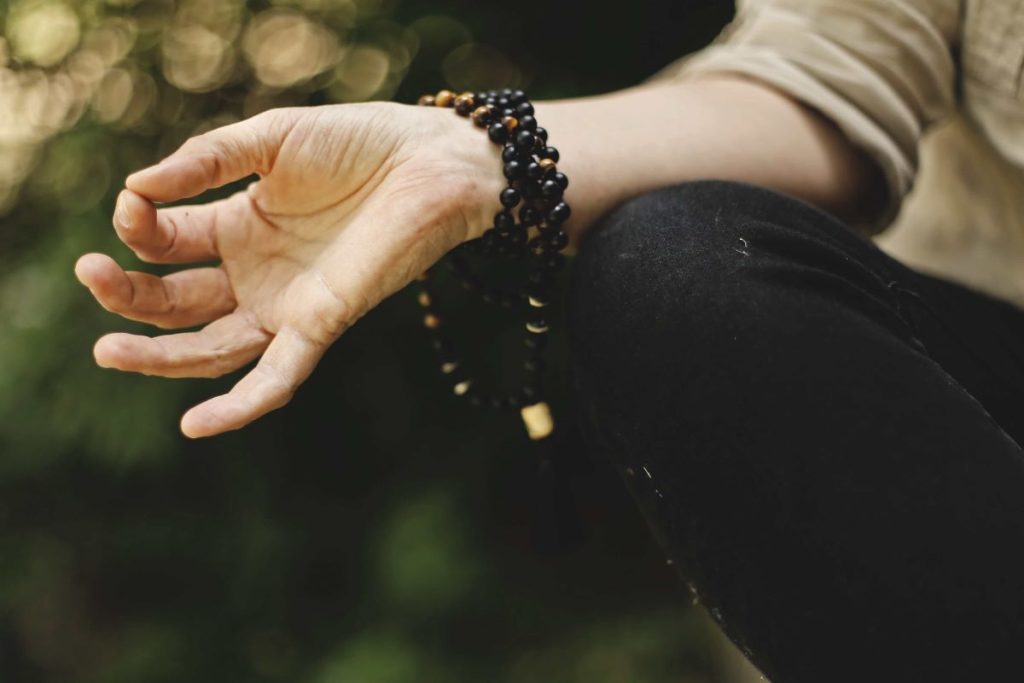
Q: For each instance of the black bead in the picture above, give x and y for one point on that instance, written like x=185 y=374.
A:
x=489 y=240
x=548 y=153
x=531 y=393
x=518 y=237
x=509 y=153
x=528 y=216
x=515 y=170
x=505 y=92
x=517 y=96
x=510 y=197
x=458 y=265
x=525 y=109
x=496 y=402
x=534 y=365
x=514 y=401
x=561 y=179
x=550 y=189
x=554 y=261
x=528 y=123
x=538 y=247
x=497 y=132
x=539 y=278
x=540 y=294
x=491 y=100
x=531 y=190
x=502 y=102
x=534 y=171
x=559 y=213
x=535 y=342
x=558 y=240
x=542 y=133
x=525 y=139
x=475 y=398
x=442 y=346
x=503 y=220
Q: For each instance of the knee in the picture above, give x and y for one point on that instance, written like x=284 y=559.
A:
x=670 y=258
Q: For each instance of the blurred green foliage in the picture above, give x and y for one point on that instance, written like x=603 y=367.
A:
x=372 y=531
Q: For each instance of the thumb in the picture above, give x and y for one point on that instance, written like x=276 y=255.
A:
x=215 y=158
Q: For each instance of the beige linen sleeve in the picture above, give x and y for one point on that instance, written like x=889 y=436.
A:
x=881 y=70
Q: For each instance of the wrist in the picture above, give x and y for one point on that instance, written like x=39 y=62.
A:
x=471 y=176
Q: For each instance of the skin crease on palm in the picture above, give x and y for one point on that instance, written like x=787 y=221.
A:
x=348 y=209
x=353 y=201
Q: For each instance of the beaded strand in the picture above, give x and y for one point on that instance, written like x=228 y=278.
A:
x=527 y=228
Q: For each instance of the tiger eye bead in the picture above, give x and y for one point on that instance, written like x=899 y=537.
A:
x=431 y=321
x=547 y=166
x=426 y=101
x=481 y=116
x=510 y=123
x=424 y=300
x=464 y=104
x=444 y=98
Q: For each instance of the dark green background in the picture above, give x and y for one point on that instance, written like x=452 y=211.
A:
x=375 y=530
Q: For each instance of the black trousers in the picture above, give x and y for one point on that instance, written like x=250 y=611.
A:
x=825 y=442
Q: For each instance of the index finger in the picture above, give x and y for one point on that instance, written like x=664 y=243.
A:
x=215 y=158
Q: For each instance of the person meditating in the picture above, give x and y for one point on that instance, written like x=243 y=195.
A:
x=824 y=438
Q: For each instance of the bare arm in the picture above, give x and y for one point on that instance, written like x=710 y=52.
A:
x=354 y=201
x=617 y=146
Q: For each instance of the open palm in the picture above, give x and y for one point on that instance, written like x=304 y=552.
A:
x=352 y=203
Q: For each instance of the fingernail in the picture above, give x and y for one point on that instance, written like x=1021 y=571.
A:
x=121 y=211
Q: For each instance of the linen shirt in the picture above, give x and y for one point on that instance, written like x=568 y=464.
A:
x=932 y=90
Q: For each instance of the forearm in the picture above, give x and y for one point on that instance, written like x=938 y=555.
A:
x=620 y=145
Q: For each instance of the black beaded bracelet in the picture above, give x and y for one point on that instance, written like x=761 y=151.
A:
x=532 y=234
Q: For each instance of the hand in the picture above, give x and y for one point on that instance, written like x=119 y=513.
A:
x=353 y=202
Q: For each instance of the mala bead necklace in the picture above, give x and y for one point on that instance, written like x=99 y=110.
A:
x=527 y=230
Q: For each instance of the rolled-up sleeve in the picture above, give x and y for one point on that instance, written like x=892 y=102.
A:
x=881 y=70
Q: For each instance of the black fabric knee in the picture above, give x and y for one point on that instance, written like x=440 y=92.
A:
x=815 y=439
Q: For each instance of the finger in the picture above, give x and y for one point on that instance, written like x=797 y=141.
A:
x=224 y=345
x=287 y=362
x=181 y=234
x=213 y=159
x=182 y=299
